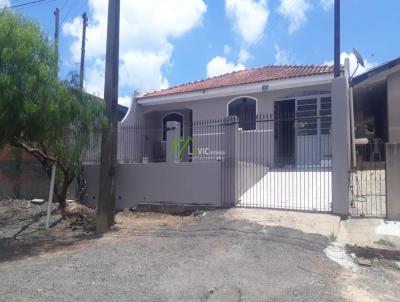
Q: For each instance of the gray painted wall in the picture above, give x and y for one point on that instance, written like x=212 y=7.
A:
x=217 y=107
x=393 y=94
x=340 y=146
x=175 y=183
x=393 y=181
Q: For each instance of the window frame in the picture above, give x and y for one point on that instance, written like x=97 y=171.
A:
x=182 y=129
x=319 y=118
x=255 y=112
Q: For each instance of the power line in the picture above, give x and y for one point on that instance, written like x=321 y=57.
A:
x=32 y=4
x=27 y=3
x=68 y=12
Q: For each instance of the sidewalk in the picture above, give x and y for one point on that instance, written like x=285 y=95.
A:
x=370 y=232
x=312 y=223
x=362 y=232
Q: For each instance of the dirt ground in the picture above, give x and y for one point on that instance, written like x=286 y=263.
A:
x=233 y=255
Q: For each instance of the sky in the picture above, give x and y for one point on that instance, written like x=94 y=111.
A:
x=164 y=43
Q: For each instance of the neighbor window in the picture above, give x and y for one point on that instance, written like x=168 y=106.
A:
x=245 y=110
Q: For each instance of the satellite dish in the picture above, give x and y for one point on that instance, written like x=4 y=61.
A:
x=359 y=57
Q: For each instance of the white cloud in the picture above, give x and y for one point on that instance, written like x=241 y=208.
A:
x=295 y=11
x=220 y=65
x=146 y=28
x=227 y=49
x=125 y=101
x=94 y=77
x=4 y=4
x=326 y=4
x=282 y=56
x=244 y=55
x=249 y=18
x=353 y=63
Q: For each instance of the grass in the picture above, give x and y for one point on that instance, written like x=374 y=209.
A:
x=385 y=243
x=332 y=236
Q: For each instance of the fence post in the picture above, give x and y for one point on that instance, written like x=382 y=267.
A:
x=340 y=147
x=393 y=181
x=229 y=186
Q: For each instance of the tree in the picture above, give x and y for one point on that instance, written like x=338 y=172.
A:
x=50 y=119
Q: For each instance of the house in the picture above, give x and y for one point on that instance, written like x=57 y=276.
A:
x=282 y=137
x=278 y=91
x=235 y=139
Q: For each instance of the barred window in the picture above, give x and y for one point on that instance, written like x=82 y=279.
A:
x=325 y=113
x=306 y=116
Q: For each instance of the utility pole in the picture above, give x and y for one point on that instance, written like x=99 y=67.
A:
x=56 y=36
x=108 y=157
x=82 y=70
x=337 y=40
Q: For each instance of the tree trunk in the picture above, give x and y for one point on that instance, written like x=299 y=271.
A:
x=61 y=189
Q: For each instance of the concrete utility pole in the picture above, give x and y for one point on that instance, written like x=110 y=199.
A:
x=56 y=36
x=337 y=39
x=108 y=157
x=82 y=69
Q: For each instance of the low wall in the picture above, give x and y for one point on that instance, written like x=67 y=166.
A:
x=393 y=181
x=179 y=183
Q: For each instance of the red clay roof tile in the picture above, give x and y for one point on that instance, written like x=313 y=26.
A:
x=262 y=74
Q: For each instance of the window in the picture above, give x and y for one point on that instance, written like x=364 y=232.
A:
x=313 y=115
x=325 y=113
x=245 y=110
x=171 y=117
x=306 y=116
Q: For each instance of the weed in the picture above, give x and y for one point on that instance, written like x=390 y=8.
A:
x=332 y=236
x=385 y=242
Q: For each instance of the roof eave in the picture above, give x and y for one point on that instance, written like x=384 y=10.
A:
x=295 y=82
x=376 y=72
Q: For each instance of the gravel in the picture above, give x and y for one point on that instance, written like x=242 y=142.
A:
x=211 y=259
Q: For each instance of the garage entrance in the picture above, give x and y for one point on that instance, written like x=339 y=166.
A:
x=272 y=174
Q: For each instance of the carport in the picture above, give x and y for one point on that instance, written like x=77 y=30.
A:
x=376 y=99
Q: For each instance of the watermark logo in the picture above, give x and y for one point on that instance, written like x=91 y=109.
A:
x=180 y=145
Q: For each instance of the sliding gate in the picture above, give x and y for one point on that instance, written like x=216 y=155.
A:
x=284 y=162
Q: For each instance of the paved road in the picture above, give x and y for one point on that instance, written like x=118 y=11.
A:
x=209 y=260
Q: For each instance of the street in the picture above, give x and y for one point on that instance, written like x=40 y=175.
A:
x=155 y=257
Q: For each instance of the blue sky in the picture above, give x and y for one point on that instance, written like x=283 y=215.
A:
x=169 y=42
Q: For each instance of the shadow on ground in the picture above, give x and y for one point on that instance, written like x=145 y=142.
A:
x=17 y=249
x=22 y=232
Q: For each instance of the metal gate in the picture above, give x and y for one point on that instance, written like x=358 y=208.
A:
x=284 y=160
x=368 y=181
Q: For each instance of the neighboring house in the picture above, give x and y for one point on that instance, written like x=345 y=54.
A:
x=377 y=106
x=376 y=98
x=279 y=91
x=21 y=175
